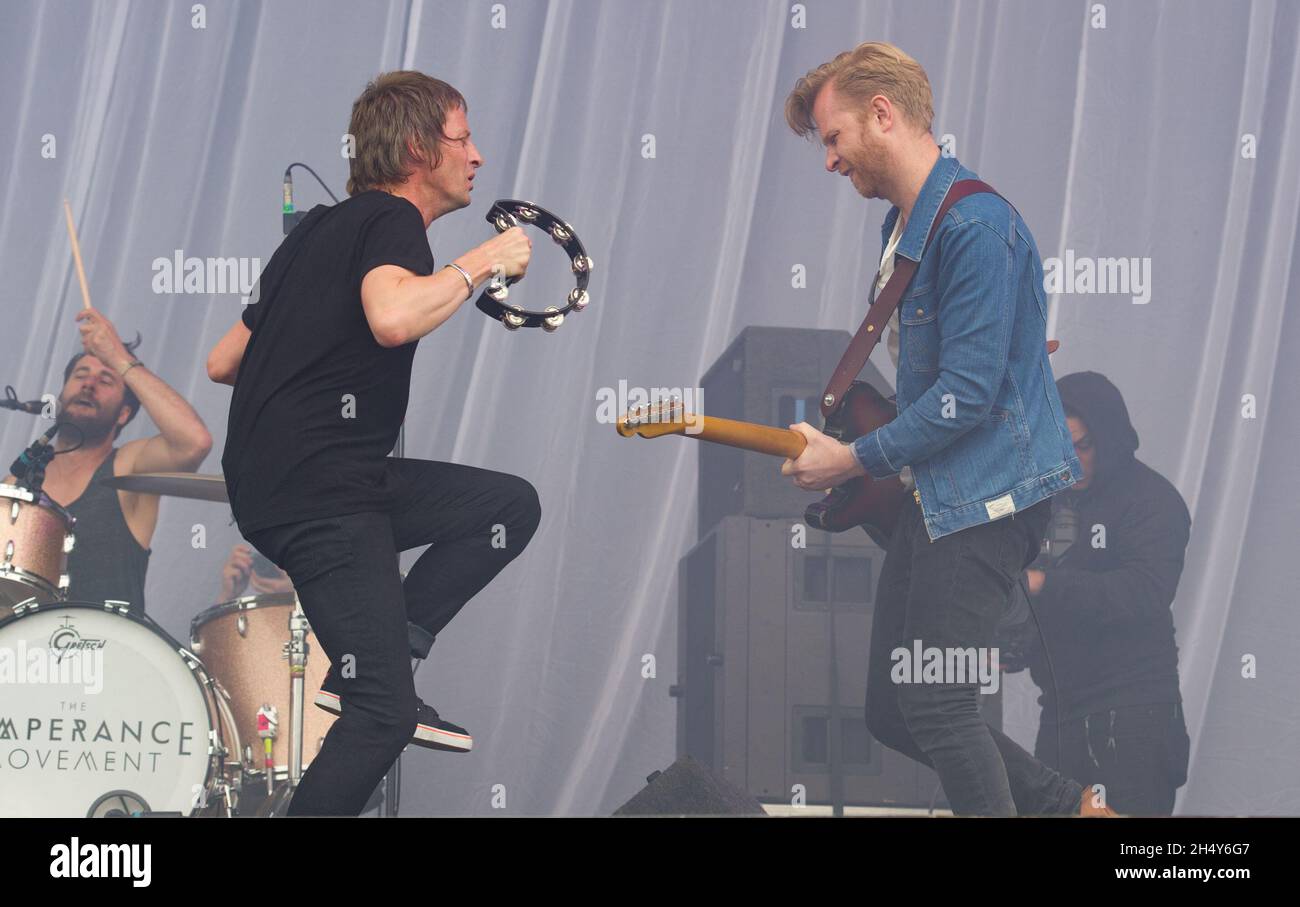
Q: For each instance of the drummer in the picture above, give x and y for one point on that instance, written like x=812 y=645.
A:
x=104 y=386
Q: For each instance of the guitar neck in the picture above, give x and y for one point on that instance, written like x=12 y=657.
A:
x=779 y=442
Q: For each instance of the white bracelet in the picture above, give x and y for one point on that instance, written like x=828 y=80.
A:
x=469 y=281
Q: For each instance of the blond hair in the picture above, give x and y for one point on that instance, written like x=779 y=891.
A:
x=860 y=74
x=398 y=111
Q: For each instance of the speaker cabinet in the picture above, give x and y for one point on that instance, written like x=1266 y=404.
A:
x=760 y=700
x=687 y=788
x=773 y=376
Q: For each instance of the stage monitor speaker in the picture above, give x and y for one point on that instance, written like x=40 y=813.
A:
x=773 y=376
x=758 y=620
x=687 y=788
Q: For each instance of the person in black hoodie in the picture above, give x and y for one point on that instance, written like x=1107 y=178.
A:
x=1101 y=590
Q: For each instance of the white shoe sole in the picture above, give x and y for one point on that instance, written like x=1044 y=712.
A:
x=425 y=735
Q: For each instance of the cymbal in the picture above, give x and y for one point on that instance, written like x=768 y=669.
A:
x=192 y=485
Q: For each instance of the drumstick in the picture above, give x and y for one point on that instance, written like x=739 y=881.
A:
x=76 y=254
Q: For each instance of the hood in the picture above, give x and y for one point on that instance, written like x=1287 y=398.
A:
x=1091 y=397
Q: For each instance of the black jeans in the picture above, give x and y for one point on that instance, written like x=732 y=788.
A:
x=1138 y=752
x=370 y=622
x=951 y=593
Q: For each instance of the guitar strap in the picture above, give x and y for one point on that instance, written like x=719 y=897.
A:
x=878 y=315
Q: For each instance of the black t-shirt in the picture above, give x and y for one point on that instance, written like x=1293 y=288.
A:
x=318 y=402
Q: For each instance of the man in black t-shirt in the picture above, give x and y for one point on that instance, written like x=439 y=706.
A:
x=321 y=368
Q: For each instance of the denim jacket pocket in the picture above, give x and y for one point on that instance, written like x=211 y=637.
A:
x=919 y=324
x=981 y=465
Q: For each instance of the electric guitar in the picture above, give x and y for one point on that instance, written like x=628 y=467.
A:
x=873 y=504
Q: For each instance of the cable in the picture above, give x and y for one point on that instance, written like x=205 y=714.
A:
x=1051 y=671
x=80 y=444
x=315 y=174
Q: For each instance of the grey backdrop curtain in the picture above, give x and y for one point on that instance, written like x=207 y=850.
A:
x=1117 y=141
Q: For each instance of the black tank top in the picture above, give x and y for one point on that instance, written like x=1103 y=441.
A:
x=106 y=562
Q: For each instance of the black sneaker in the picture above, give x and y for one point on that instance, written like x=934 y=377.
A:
x=437 y=734
x=431 y=730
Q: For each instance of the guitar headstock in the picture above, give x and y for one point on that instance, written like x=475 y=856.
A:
x=655 y=420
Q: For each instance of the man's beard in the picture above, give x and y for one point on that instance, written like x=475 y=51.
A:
x=870 y=165
x=88 y=428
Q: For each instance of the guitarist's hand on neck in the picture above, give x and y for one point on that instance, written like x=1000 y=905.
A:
x=824 y=463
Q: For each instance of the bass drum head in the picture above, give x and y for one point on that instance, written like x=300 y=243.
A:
x=93 y=703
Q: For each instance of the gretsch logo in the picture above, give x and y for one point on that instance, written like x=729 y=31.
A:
x=66 y=639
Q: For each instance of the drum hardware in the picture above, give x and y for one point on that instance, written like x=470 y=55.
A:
x=229 y=796
x=29 y=468
x=216 y=745
x=296 y=651
x=268 y=723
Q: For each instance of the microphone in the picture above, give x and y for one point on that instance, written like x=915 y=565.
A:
x=293 y=218
x=289 y=220
x=35 y=407
x=37 y=454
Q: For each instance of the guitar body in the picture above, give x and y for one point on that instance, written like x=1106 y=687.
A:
x=873 y=504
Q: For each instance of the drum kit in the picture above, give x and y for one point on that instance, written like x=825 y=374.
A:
x=102 y=713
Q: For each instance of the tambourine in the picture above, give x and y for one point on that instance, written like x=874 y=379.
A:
x=507 y=213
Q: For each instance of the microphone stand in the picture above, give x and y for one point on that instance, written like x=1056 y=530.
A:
x=29 y=468
x=393 y=780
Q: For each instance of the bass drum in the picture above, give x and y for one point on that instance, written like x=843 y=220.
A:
x=102 y=713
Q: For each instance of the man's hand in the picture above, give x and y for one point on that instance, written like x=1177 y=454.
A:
x=1035 y=579
x=509 y=252
x=234 y=575
x=266 y=585
x=824 y=463
x=100 y=339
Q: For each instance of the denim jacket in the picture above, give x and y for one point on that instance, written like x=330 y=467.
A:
x=979 y=420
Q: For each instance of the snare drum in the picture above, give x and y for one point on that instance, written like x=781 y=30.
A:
x=103 y=713
x=244 y=643
x=35 y=538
